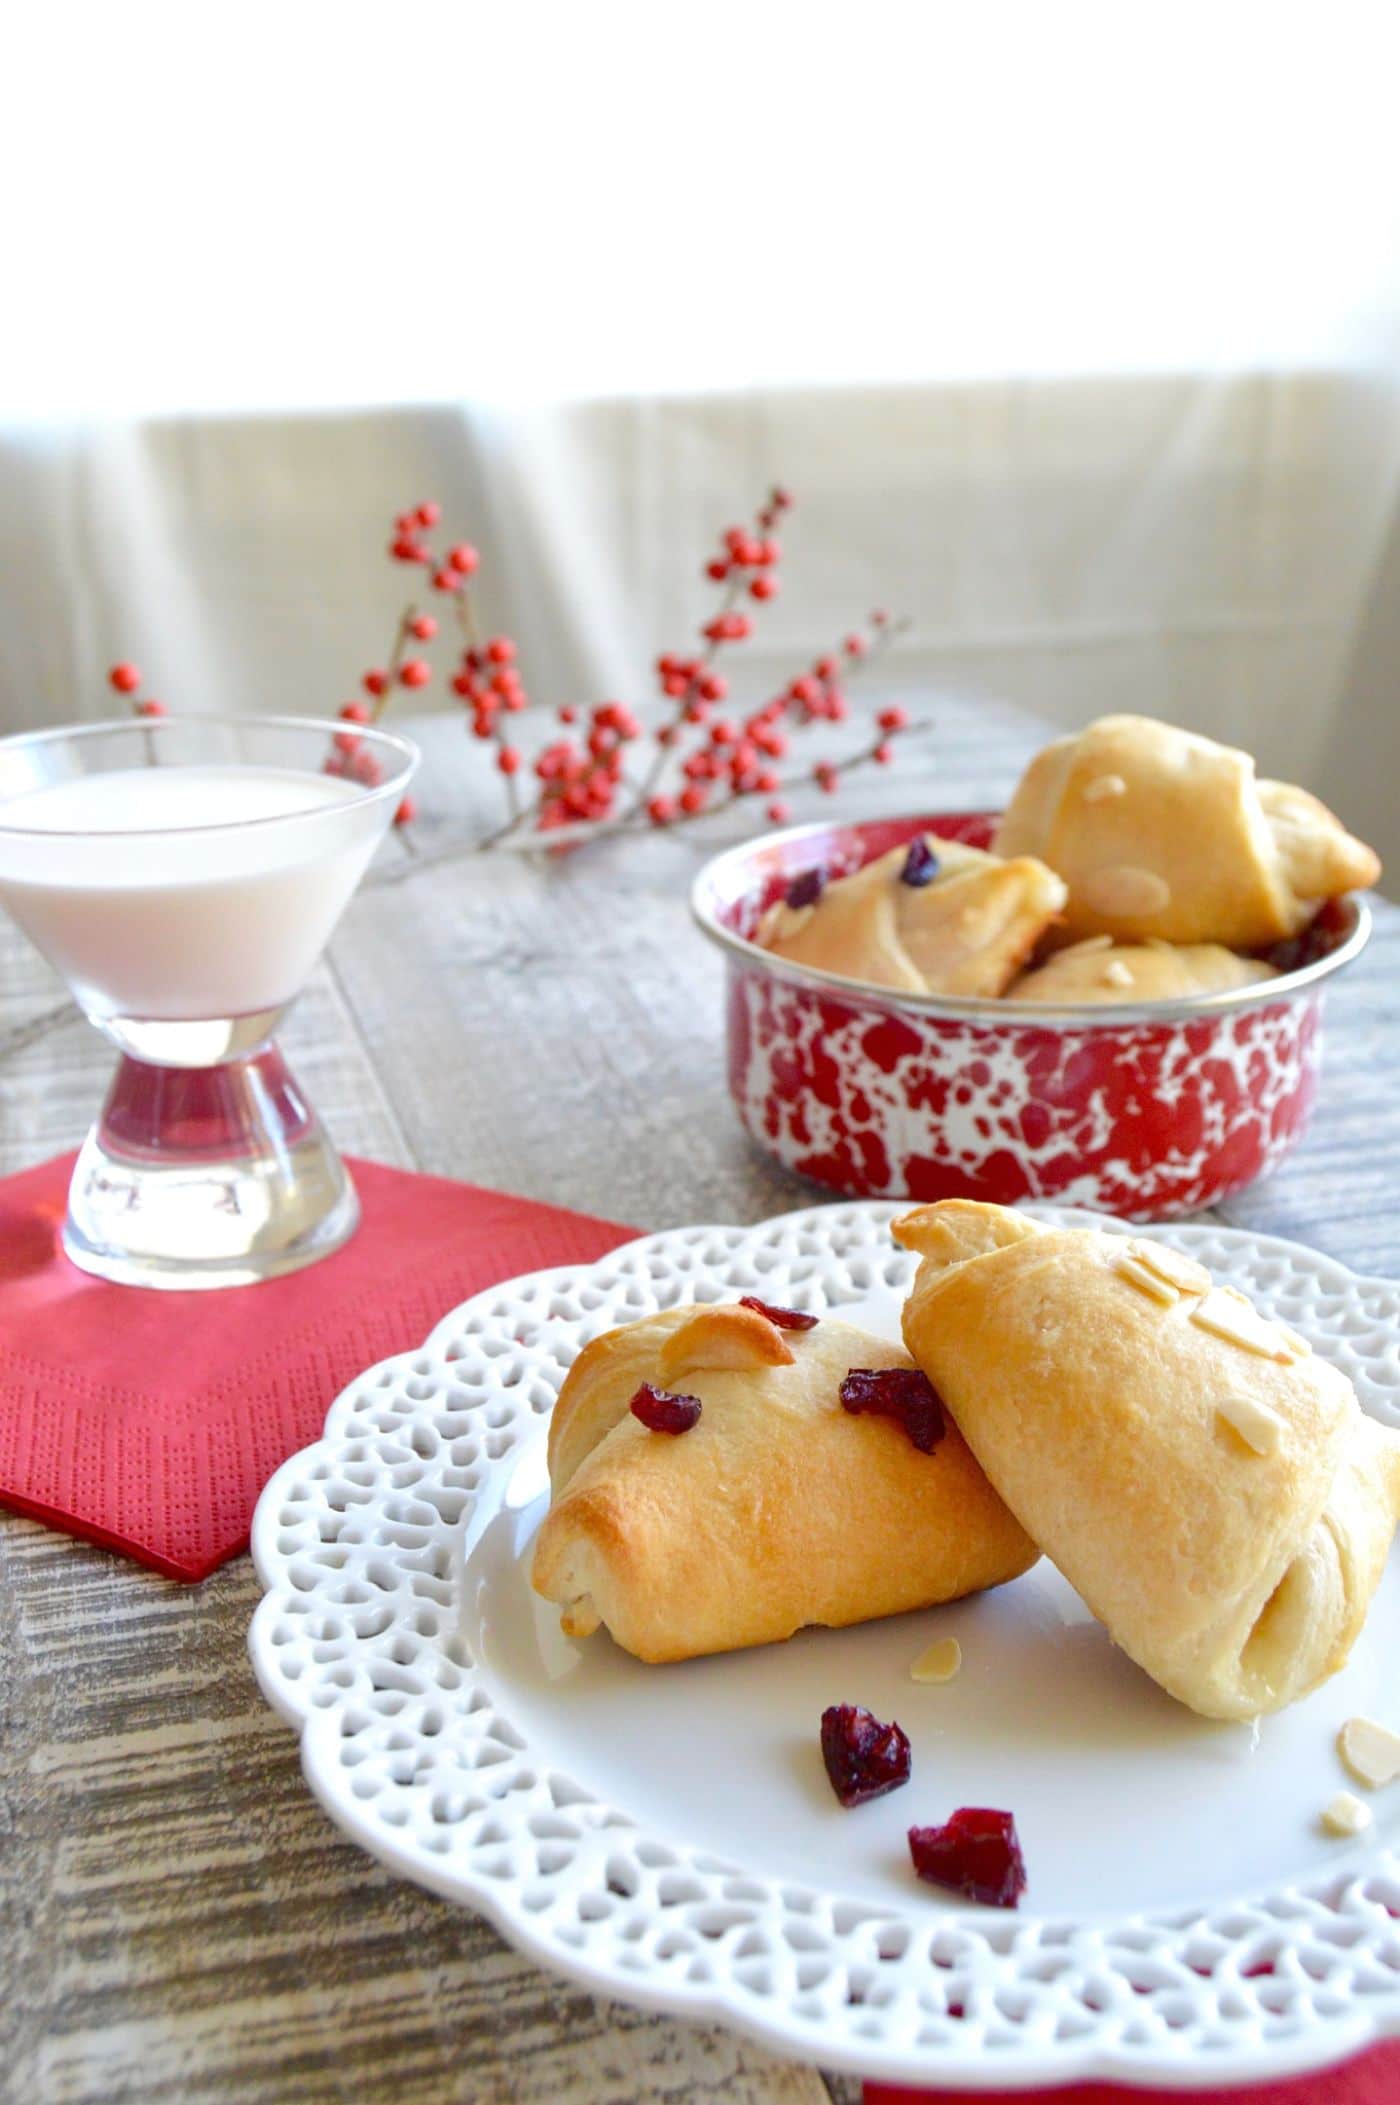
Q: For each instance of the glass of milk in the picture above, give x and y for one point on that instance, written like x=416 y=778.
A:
x=184 y=875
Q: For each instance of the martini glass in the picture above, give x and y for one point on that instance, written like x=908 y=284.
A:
x=184 y=875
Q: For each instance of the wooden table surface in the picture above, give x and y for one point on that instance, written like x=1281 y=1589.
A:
x=178 y=1920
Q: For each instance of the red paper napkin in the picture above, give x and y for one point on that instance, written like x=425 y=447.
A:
x=149 y=1421
x=1372 y=2079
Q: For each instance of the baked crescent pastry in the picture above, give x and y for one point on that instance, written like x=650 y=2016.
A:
x=1100 y=970
x=931 y=917
x=1158 y=832
x=777 y=1509
x=1212 y=1490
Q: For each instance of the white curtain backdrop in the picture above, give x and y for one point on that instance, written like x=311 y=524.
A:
x=1076 y=332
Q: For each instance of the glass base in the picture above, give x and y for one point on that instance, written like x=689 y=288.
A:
x=206 y=1177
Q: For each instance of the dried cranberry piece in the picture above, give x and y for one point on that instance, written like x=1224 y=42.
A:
x=806 y=889
x=1318 y=939
x=864 y=1758
x=977 y=1853
x=920 y=864
x=661 y=1412
x=784 y=1318
x=898 y=1392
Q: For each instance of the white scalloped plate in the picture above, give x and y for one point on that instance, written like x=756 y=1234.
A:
x=667 y=1835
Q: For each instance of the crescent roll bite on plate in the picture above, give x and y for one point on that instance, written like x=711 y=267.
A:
x=1209 y=1486
x=778 y=1507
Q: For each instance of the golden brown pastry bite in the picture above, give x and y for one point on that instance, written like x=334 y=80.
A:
x=779 y=1507
x=1209 y=1486
x=1158 y=832
x=1100 y=970
x=931 y=917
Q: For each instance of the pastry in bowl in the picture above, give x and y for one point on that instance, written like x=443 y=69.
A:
x=1098 y=969
x=1209 y=1486
x=711 y=1490
x=1158 y=832
x=931 y=917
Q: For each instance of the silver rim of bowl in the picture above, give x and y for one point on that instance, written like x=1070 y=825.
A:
x=987 y=1009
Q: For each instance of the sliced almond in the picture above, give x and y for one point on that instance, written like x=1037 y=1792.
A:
x=1226 y=1314
x=1125 y=888
x=1104 y=786
x=726 y=1339
x=1117 y=974
x=1346 y=1815
x=1300 y=1344
x=1370 y=1751
x=939 y=1663
x=1183 y=1273
x=1147 y=1282
x=1260 y=1428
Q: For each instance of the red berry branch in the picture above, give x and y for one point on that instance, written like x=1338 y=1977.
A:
x=696 y=761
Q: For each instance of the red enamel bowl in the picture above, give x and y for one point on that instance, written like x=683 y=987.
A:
x=1147 y=1111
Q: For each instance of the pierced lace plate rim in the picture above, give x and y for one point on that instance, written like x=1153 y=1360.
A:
x=1092 y=2053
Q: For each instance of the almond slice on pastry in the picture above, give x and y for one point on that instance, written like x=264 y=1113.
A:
x=778 y=1509
x=1188 y=846
x=1236 y=1570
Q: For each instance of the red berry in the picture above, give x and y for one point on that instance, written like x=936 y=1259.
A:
x=125 y=678
x=770 y=551
x=668 y=734
x=764 y=587
x=150 y=708
x=780 y=498
x=864 y=1758
x=892 y=719
x=415 y=672
x=375 y=682
x=883 y=754
x=826 y=668
x=463 y=684
x=424 y=628
x=446 y=581
x=356 y=713
x=346 y=742
x=825 y=774
x=718 y=570
x=406 y=813
x=508 y=760
x=500 y=650
x=805 y=690
x=406 y=523
x=901 y=1393
x=627 y=724
x=407 y=550
x=836 y=708
x=428 y=514
x=661 y=810
x=854 y=646
x=662 y=1412
x=568 y=714
x=724 y=733
x=767 y=782
x=365 y=768
x=696 y=712
x=770 y=741
x=735 y=538
x=712 y=686
x=483 y=726
x=779 y=813
x=665 y=666
x=695 y=798
x=463 y=559
x=976 y=1852
x=675 y=684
